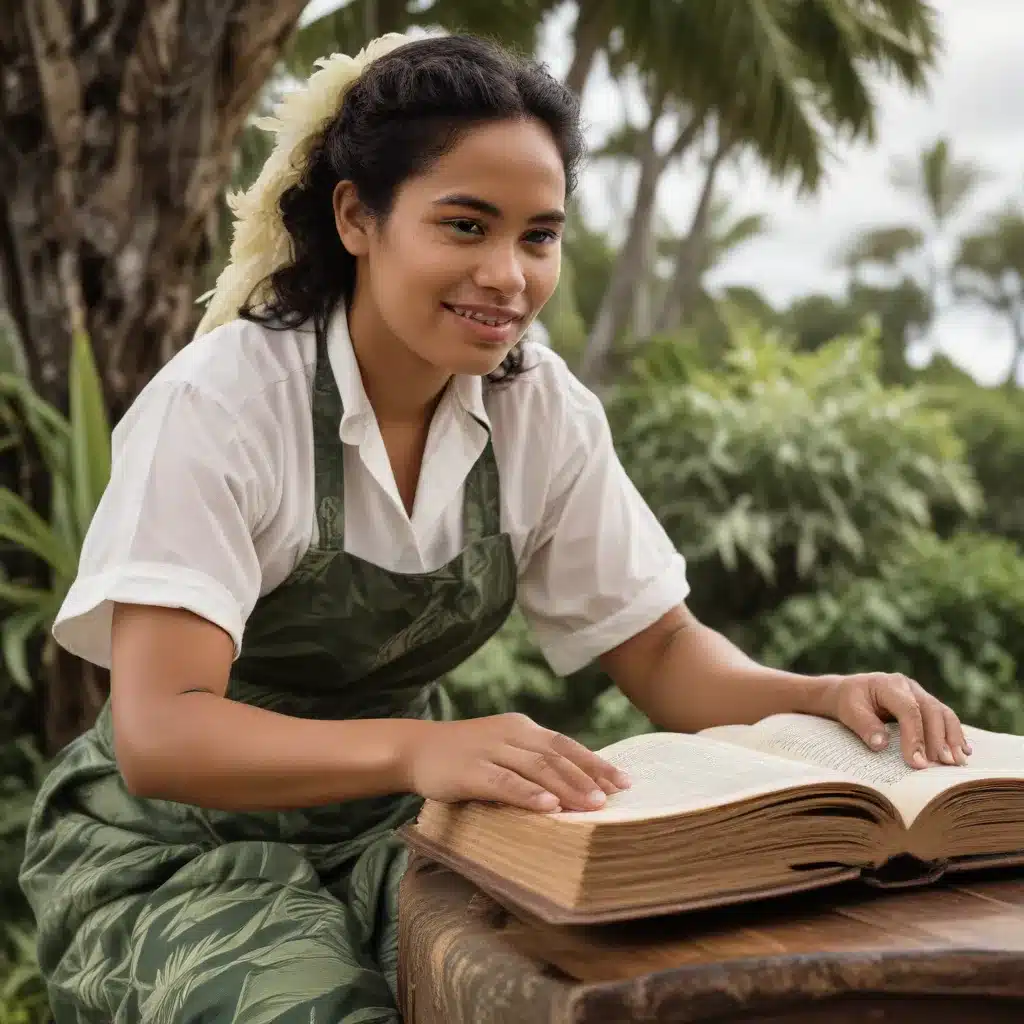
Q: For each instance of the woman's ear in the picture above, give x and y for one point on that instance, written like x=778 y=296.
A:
x=351 y=219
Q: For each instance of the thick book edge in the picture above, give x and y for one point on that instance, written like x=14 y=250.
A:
x=508 y=893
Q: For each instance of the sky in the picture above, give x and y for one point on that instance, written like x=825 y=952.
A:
x=975 y=97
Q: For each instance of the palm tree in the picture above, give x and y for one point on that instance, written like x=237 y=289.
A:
x=941 y=185
x=692 y=251
x=352 y=26
x=774 y=75
x=713 y=236
x=989 y=269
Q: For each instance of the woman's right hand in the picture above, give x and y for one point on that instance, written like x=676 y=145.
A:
x=507 y=759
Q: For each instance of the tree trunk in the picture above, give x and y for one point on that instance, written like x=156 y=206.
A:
x=589 y=35
x=689 y=258
x=617 y=304
x=119 y=121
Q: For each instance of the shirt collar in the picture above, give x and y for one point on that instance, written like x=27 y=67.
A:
x=357 y=414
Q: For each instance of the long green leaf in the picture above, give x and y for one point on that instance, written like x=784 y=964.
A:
x=90 y=432
x=21 y=525
x=22 y=596
x=15 y=633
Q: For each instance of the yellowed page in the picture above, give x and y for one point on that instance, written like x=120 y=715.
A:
x=828 y=744
x=673 y=773
x=996 y=756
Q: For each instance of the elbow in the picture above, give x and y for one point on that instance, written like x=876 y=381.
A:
x=141 y=752
x=141 y=771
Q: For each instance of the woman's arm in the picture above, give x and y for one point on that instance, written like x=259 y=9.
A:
x=177 y=737
x=686 y=677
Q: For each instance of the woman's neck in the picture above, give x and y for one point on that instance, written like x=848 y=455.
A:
x=402 y=388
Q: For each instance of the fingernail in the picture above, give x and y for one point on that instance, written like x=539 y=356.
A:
x=878 y=740
x=947 y=755
x=596 y=797
x=968 y=749
x=622 y=780
x=920 y=761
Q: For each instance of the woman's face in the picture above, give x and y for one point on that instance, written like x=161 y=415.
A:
x=471 y=250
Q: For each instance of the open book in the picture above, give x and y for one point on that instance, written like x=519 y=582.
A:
x=739 y=813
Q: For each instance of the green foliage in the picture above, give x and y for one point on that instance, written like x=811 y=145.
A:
x=22 y=994
x=782 y=465
x=510 y=674
x=991 y=422
x=76 y=452
x=989 y=271
x=946 y=613
x=592 y=258
x=562 y=318
x=900 y=311
x=22 y=998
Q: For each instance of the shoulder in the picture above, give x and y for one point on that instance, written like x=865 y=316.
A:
x=547 y=404
x=241 y=362
x=243 y=375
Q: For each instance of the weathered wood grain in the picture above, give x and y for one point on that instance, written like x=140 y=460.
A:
x=952 y=952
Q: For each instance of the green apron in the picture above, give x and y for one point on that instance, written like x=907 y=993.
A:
x=164 y=913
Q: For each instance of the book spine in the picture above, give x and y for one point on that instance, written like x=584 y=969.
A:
x=904 y=871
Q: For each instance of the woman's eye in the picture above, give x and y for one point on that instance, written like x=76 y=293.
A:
x=465 y=226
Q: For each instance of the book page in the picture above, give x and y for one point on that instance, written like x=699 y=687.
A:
x=822 y=742
x=996 y=756
x=828 y=744
x=672 y=773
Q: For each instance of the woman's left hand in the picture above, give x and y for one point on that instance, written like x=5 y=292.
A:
x=930 y=732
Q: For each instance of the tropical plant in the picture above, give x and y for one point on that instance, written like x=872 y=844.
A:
x=23 y=997
x=779 y=465
x=946 y=613
x=989 y=270
x=772 y=77
x=76 y=453
x=351 y=25
x=991 y=423
x=941 y=185
x=715 y=234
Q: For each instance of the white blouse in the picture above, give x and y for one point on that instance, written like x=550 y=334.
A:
x=210 y=501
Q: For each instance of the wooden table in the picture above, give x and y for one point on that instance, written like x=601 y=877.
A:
x=951 y=952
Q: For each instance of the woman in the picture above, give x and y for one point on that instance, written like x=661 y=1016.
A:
x=331 y=498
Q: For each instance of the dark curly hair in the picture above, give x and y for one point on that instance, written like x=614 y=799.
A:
x=407 y=109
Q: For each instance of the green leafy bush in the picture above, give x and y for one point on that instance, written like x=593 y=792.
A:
x=991 y=423
x=945 y=612
x=510 y=674
x=783 y=465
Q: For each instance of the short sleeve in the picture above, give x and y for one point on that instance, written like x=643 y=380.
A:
x=175 y=524
x=600 y=567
